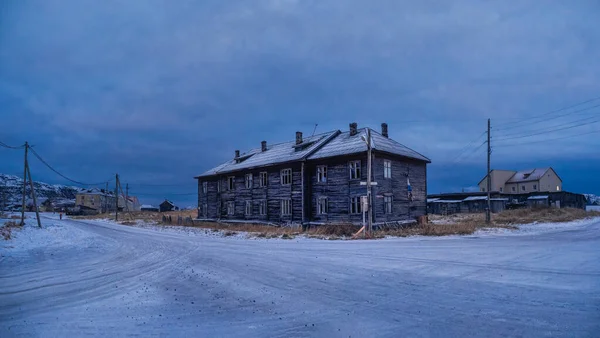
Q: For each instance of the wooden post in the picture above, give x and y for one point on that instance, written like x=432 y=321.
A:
x=488 y=216
x=35 y=206
x=117 y=197
x=24 y=184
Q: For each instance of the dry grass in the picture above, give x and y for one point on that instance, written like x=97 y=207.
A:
x=521 y=216
x=147 y=216
x=6 y=230
x=15 y=217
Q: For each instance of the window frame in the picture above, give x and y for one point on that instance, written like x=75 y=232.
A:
x=523 y=188
x=355 y=170
x=388 y=201
x=230 y=208
x=230 y=183
x=249 y=181
x=355 y=203
x=387 y=169
x=204 y=187
x=320 y=207
x=287 y=172
x=263 y=180
x=513 y=189
x=285 y=205
x=205 y=210
x=248 y=208
x=535 y=187
x=321 y=174
x=262 y=208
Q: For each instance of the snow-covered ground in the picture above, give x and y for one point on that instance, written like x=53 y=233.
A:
x=80 y=278
x=592 y=207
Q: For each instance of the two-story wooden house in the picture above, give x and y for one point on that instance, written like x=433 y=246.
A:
x=317 y=180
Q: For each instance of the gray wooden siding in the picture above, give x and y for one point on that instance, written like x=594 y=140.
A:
x=338 y=190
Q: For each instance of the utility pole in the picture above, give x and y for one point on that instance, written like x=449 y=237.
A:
x=27 y=172
x=127 y=196
x=106 y=199
x=369 y=155
x=24 y=184
x=488 y=216
x=117 y=198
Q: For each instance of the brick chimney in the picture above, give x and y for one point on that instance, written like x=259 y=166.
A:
x=353 y=128
x=263 y=146
x=237 y=154
x=384 y=129
x=298 y=137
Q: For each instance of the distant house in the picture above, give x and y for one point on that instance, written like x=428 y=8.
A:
x=133 y=203
x=318 y=179
x=522 y=182
x=147 y=207
x=98 y=201
x=167 y=206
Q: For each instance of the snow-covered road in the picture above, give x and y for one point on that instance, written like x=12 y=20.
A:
x=76 y=278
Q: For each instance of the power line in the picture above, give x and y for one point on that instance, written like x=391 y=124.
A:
x=2 y=144
x=132 y=193
x=546 y=128
x=555 y=117
x=61 y=175
x=464 y=149
x=546 y=140
x=549 y=131
x=554 y=112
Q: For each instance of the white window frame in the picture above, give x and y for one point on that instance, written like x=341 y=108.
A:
x=322 y=206
x=204 y=187
x=322 y=174
x=264 y=179
x=355 y=170
x=286 y=207
x=355 y=206
x=230 y=183
x=205 y=210
x=248 y=208
x=286 y=176
x=230 y=208
x=387 y=169
x=262 y=208
x=388 y=207
x=249 y=181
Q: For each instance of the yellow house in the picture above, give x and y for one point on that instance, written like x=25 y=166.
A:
x=523 y=182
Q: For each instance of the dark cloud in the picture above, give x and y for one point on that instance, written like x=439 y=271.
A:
x=162 y=90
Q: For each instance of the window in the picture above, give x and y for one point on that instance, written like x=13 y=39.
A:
x=355 y=205
x=535 y=187
x=204 y=187
x=230 y=208
x=482 y=189
x=249 y=180
x=322 y=174
x=263 y=180
x=248 y=208
x=230 y=183
x=523 y=187
x=355 y=170
x=557 y=188
x=387 y=169
x=205 y=210
x=513 y=189
x=262 y=208
x=387 y=203
x=500 y=189
x=92 y=200
x=286 y=176
x=219 y=185
x=322 y=206
x=286 y=207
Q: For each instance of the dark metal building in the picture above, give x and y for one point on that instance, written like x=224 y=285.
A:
x=319 y=179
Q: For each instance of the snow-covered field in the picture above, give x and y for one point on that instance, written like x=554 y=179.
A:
x=81 y=278
x=592 y=207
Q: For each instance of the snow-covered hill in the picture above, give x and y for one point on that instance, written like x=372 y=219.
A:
x=11 y=188
x=592 y=199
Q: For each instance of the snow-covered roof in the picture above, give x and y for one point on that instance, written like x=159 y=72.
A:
x=527 y=175
x=147 y=206
x=499 y=199
x=475 y=198
x=346 y=144
x=447 y=201
x=537 y=197
x=330 y=144
x=429 y=200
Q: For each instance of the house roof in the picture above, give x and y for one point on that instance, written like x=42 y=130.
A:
x=168 y=202
x=475 y=198
x=330 y=144
x=528 y=175
x=540 y=197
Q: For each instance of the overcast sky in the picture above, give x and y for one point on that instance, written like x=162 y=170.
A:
x=160 y=91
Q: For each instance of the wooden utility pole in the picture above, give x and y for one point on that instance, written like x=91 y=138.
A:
x=24 y=184
x=105 y=204
x=117 y=198
x=369 y=201
x=488 y=216
x=26 y=173
x=127 y=196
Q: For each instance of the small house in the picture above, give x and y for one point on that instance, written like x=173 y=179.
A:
x=167 y=206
